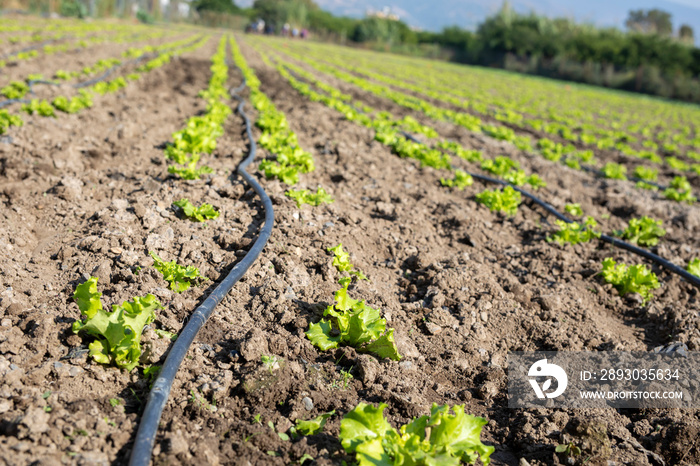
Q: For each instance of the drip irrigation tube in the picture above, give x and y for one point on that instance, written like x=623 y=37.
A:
x=668 y=265
x=145 y=437
x=7 y=102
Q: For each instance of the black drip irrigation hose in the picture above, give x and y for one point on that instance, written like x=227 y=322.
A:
x=666 y=264
x=7 y=102
x=145 y=437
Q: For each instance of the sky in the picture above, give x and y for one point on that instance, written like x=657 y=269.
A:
x=433 y=15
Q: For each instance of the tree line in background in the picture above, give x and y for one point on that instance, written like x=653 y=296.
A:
x=649 y=57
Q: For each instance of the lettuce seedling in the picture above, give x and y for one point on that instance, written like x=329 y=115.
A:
x=196 y=214
x=352 y=322
x=635 y=279
x=15 y=90
x=190 y=170
x=506 y=200
x=461 y=180
x=694 y=267
x=574 y=210
x=304 y=196
x=286 y=174
x=179 y=277
x=439 y=439
x=646 y=173
x=643 y=231
x=42 y=107
x=500 y=166
x=312 y=426
x=615 y=171
x=575 y=232
x=7 y=120
x=75 y=104
x=117 y=333
x=536 y=181
x=680 y=191
x=341 y=262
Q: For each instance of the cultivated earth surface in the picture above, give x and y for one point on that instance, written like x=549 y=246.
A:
x=89 y=194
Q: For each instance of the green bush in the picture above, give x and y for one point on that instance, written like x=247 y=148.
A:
x=73 y=8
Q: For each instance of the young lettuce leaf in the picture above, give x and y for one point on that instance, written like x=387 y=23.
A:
x=196 y=214
x=179 y=277
x=117 y=333
x=452 y=438
x=353 y=323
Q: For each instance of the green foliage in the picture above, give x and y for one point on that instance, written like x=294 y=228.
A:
x=439 y=439
x=312 y=426
x=500 y=166
x=270 y=362
x=502 y=200
x=63 y=75
x=180 y=278
x=196 y=214
x=190 y=171
x=304 y=196
x=680 y=191
x=201 y=132
x=7 y=120
x=460 y=181
x=104 y=87
x=677 y=164
x=151 y=372
x=276 y=138
x=145 y=17
x=646 y=173
x=15 y=90
x=615 y=171
x=117 y=333
x=219 y=6
x=643 y=231
x=73 y=8
x=575 y=232
x=165 y=334
x=568 y=449
x=341 y=262
x=573 y=210
x=694 y=267
x=635 y=279
x=41 y=107
x=535 y=181
x=75 y=104
x=286 y=174
x=355 y=324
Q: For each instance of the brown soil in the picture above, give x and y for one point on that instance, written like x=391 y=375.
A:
x=89 y=194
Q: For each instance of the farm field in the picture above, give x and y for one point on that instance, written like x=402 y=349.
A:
x=450 y=272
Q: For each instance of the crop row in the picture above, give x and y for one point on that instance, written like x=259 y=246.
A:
x=115 y=336
x=84 y=98
x=549 y=149
x=201 y=132
x=364 y=430
x=638 y=278
x=576 y=113
x=277 y=138
x=573 y=132
x=85 y=38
